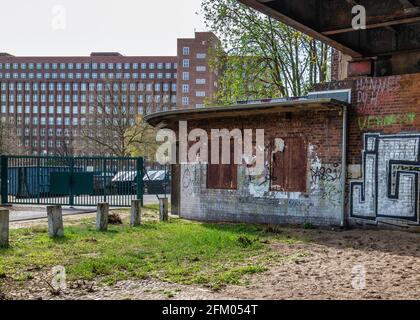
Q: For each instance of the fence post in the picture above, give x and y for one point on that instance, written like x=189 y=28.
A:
x=139 y=178
x=71 y=196
x=104 y=177
x=102 y=214
x=163 y=209
x=3 y=179
x=38 y=179
x=4 y=228
x=135 y=214
x=55 y=221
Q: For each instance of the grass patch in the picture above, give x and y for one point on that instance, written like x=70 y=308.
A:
x=179 y=251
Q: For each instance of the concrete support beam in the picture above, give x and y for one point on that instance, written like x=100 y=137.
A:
x=4 y=228
x=135 y=214
x=55 y=221
x=163 y=209
x=102 y=214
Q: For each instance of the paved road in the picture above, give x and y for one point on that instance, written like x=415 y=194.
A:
x=29 y=212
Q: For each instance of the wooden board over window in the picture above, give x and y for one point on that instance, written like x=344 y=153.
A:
x=222 y=176
x=288 y=168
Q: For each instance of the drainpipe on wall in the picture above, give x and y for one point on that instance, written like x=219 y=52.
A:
x=344 y=167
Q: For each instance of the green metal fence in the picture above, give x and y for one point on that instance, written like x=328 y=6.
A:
x=73 y=181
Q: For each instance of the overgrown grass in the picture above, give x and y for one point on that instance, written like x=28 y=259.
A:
x=179 y=251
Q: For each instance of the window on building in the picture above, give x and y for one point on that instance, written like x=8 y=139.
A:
x=186 y=63
x=288 y=167
x=185 y=76
x=185 y=101
x=222 y=176
x=185 y=88
x=186 y=51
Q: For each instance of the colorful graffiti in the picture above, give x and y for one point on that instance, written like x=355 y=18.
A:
x=389 y=187
x=381 y=121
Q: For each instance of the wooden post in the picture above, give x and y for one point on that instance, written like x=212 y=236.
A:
x=135 y=216
x=163 y=209
x=55 y=221
x=4 y=228
x=102 y=213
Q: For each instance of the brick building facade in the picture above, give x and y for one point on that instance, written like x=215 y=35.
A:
x=383 y=148
x=375 y=182
x=302 y=178
x=46 y=101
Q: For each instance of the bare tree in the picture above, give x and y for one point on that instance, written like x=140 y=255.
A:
x=8 y=139
x=114 y=126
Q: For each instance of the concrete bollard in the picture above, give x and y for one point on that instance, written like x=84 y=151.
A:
x=135 y=214
x=163 y=209
x=102 y=213
x=4 y=228
x=55 y=221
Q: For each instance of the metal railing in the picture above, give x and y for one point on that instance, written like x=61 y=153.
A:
x=73 y=181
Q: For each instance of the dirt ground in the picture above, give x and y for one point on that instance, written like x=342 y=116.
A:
x=354 y=264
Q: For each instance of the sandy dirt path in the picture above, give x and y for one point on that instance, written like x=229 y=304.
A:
x=328 y=267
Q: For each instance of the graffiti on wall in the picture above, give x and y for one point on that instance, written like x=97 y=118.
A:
x=189 y=179
x=326 y=181
x=258 y=178
x=389 y=187
x=374 y=91
x=382 y=121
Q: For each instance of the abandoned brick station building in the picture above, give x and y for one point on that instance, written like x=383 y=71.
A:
x=351 y=148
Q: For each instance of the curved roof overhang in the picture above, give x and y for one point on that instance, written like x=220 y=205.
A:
x=169 y=118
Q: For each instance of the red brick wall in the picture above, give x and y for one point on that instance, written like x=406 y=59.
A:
x=322 y=129
x=335 y=56
x=380 y=104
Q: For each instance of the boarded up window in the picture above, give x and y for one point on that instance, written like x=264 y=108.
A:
x=288 y=167
x=222 y=176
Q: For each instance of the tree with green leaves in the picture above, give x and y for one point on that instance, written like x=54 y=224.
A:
x=260 y=57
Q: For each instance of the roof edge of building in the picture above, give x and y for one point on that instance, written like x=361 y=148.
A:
x=244 y=109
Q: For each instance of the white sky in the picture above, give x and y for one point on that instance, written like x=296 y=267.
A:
x=131 y=27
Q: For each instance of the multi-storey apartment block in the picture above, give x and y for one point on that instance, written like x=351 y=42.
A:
x=47 y=100
x=196 y=82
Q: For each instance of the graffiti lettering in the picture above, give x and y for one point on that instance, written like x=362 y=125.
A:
x=389 y=188
x=369 y=122
x=326 y=173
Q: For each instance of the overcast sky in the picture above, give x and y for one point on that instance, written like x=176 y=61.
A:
x=78 y=27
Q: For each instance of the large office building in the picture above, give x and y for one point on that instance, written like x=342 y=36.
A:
x=46 y=101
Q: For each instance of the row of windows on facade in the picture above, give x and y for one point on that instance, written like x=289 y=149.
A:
x=53 y=134
x=43 y=144
x=67 y=121
x=54 y=153
x=87 y=75
x=83 y=98
x=87 y=66
x=83 y=86
x=96 y=65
